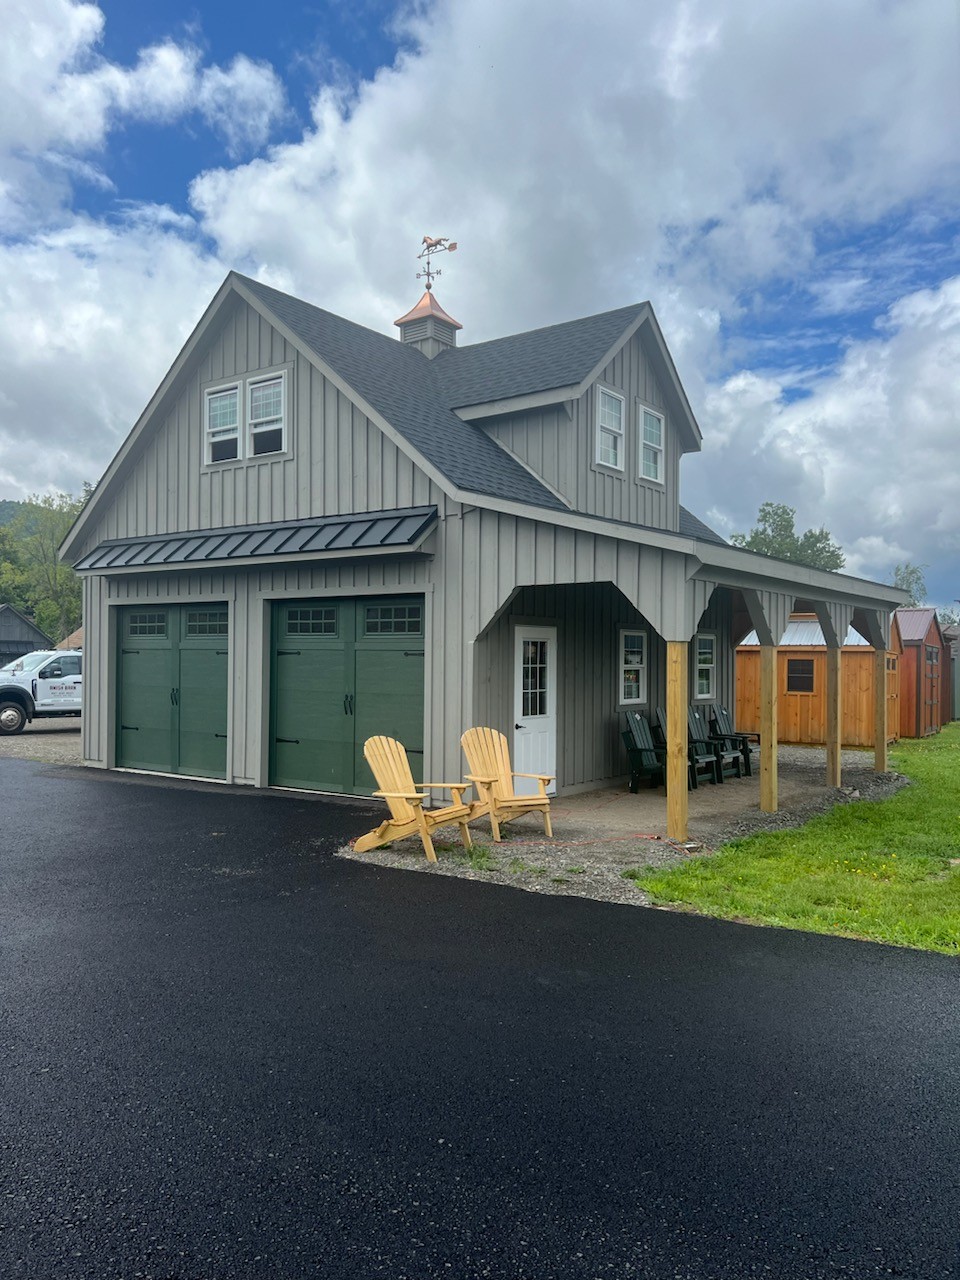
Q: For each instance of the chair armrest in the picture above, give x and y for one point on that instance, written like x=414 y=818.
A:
x=446 y=786
x=543 y=777
x=476 y=777
x=413 y=796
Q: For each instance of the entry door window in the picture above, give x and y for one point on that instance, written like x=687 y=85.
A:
x=534 y=677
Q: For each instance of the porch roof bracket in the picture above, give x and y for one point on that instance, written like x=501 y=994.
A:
x=834 y=621
x=769 y=613
x=682 y=605
x=874 y=626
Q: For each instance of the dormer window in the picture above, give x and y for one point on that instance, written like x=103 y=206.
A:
x=245 y=420
x=610 y=429
x=651 y=446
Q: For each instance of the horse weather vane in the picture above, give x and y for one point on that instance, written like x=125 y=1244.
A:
x=432 y=245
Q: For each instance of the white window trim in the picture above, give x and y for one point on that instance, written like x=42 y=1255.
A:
x=622 y=664
x=252 y=429
x=601 y=462
x=245 y=432
x=642 y=444
x=699 y=666
x=208 y=394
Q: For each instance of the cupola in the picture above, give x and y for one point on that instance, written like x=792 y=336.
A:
x=428 y=327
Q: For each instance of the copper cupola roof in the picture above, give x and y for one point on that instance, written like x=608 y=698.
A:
x=428 y=306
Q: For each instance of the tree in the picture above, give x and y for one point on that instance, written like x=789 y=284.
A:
x=909 y=577
x=775 y=534
x=49 y=589
x=948 y=617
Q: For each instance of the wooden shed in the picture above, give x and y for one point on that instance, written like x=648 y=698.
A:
x=951 y=634
x=925 y=684
x=802 y=670
x=18 y=635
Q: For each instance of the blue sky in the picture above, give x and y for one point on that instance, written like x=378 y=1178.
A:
x=781 y=182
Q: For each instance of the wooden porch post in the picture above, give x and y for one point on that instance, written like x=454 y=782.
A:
x=768 y=728
x=677 y=739
x=880 y=710
x=834 y=716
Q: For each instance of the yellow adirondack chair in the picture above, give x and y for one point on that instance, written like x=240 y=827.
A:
x=391 y=768
x=488 y=758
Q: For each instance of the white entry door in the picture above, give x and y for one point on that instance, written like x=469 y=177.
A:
x=535 y=706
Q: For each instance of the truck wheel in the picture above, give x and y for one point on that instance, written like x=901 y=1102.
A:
x=12 y=718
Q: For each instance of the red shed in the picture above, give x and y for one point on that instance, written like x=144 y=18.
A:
x=924 y=674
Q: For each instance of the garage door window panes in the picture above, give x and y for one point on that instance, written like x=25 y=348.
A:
x=312 y=622
x=207 y=622
x=394 y=620
x=148 y=624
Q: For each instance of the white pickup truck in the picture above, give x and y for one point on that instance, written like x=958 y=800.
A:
x=47 y=682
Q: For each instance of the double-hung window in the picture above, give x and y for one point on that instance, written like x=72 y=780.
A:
x=651 y=445
x=633 y=666
x=245 y=419
x=222 y=406
x=706 y=668
x=610 y=414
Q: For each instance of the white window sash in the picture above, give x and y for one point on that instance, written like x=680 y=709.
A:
x=706 y=667
x=610 y=434
x=651 y=450
x=633 y=663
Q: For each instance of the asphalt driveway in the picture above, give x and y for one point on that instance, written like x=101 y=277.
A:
x=227 y=1054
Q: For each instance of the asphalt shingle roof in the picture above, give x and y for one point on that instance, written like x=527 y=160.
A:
x=560 y=355
x=691 y=527
x=400 y=383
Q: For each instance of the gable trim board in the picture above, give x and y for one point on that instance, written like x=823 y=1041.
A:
x=493 y=537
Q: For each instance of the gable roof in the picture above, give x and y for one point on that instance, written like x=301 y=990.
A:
x=8 y=612
x=915 y=623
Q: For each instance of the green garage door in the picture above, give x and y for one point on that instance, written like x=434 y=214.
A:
x=344 y=671
x=172 y=690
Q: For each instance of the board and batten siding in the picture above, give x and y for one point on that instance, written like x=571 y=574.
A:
x=337 y=462
x=562 y=447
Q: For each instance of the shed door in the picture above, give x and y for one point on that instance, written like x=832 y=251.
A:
x=344 y=671
x=930 y=696
x=172 y=690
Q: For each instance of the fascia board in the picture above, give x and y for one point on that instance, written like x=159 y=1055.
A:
x=738 y=568
x=518 y=404
x=122 y=455
x=585 y=524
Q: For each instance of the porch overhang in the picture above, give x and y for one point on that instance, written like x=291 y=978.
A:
x=360 y=535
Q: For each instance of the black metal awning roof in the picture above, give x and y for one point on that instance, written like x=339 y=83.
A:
x=327 y=537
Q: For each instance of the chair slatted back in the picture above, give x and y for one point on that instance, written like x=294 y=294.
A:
x=642 y=737
x=391 y=768
x=723 y=722
x=488 y=756
x=697 y=726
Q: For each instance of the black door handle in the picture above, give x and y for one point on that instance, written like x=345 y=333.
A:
x=518 y=726
x=294 y=741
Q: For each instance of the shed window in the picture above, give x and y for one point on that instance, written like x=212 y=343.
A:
x=706 y=670
x=610 y=429
x=651 y=446
x=633 y=666
x=799 y=675
x=933 y=653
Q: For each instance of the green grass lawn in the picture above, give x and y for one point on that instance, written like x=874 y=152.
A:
x=880 y=870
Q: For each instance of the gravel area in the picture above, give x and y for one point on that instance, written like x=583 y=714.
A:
x=54 y=741
x=593 y=868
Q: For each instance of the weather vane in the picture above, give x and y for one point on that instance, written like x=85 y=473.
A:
x=432 y=245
